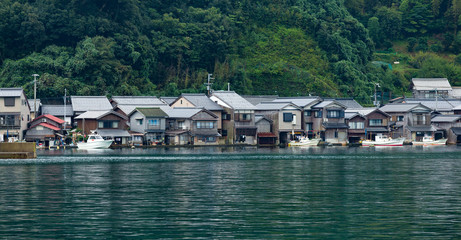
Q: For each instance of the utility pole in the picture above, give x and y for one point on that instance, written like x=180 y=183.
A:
x=35 y=94
x=436 y=99
x=208 y=84
x=65 y=100
x=376 y=101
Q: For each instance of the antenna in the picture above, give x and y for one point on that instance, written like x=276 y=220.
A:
x=35 y=94
x=208 y=84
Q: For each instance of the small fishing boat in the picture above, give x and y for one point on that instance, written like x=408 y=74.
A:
x=383 y=140
x=95 y=141
x=304 y=142
x=428 y=141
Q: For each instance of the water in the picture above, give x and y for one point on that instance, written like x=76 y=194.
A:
x=229 y=193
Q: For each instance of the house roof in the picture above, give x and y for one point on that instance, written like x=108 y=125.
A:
x=47 y=125
x=326 y=103
x=137 y=100
x=440 y=104
x=152 y=112
x=261 y=117
x=182 y=112
x=32 y=104
x=51 y=117
x=422 y=84
x=10 y=92
x=328 y=125
x=422 y=129
x=401 y=107
x=347 y=102
x=446 y=118
x=90 y=103
x=274 y=105
x=456 y=130
x=113 y=133
x=168 y=100
x=377 y=129
x=298 y=101
x=233 y=100
x=200 y=100
x=98 y=114
x=57 y=110
x=256 y=99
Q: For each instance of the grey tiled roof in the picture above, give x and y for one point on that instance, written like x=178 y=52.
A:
x=446 y=118
x=421 y=84
x=456 y=130
x=257 y=99
x=57 y=110
x=181 y=112
x=137 y=100
x=10 y=92
x=168 y=100
x=90 y=103
x=272 y=105
x=298 y=101
x=361 y=111
x=202 y=101
x=113 y=133
x=334 y=125
x=440 y=104
x=234 y=100
x=422 y=129
x=399 y=107
x=347 y=102
x=261 y=117
x=92 y=114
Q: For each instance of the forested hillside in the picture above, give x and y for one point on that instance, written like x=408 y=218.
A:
x=284 y=47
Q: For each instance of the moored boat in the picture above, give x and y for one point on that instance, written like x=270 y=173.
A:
x=304 y=142
x=383 y=140
x=95 y=141
x=429 y=141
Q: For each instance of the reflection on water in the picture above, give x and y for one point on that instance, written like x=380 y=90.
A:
x=409 y=192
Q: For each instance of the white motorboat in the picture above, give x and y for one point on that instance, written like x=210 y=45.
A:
x=427 y=141
x=383 y=140
x=95 y=141
x=304 y=142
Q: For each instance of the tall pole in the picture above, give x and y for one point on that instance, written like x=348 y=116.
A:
x=208 y=84
x=35 y=94
x=65 y=100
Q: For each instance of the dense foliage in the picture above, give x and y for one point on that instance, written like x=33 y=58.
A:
x=284 y=47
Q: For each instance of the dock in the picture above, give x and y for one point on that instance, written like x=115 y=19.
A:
x=18 y=150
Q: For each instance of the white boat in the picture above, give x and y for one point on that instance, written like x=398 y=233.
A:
x=304 y=142
x=430 y=141
x=95 y=141
x=383 y=140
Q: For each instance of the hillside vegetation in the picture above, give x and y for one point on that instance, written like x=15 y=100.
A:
x=284 y=47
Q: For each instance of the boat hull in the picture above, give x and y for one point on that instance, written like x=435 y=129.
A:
x=312 y=142
x=95 y=145
x=430 y=143
x=390 y=143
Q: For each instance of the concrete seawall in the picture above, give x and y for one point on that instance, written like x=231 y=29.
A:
x=17 y=150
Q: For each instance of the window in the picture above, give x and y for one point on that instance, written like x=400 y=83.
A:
x=318 y=114
x=9 y=101
x=107 y=124
x=399 y=118
x=356 y=125
x=375 y=122
x=139 y=121
x=245 y=117
x=205 y=124
x=419 y=119
x=333 y=113
x=309 y=126
x=307 y=113
x=181 y=125
x=153 y=122
x=287 y=117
